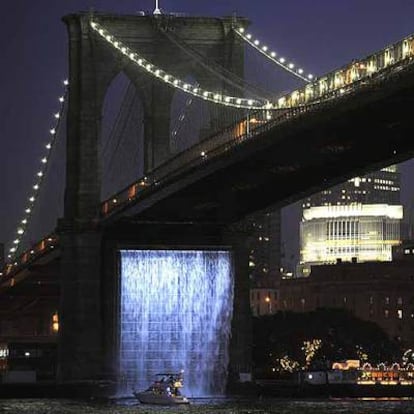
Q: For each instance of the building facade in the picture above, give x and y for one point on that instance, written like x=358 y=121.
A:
x=264 y=245
x=264 y=261
x=357 y=221
x=380 y=292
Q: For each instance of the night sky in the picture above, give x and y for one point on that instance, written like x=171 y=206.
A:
x=319 y=34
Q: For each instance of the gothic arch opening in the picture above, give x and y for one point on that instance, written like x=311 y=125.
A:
x=122 y=135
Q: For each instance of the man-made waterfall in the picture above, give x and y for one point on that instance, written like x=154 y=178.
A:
x=176 y=310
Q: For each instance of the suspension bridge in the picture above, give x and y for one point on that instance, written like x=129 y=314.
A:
x=256 y=150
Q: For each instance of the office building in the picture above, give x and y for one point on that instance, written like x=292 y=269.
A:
x=357 y=221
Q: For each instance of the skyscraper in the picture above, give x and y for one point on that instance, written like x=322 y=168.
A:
x=264 y=245
x=357 y=221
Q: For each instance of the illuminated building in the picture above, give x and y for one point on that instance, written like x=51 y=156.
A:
x=357 y=221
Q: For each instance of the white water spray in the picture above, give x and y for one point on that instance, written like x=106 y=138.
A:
x=176 y=310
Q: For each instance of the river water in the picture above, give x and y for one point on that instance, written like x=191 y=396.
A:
x=275 y=406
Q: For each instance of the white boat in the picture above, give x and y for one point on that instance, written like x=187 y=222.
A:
x=165 y=390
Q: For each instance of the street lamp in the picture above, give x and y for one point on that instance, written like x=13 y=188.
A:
x=269 y=304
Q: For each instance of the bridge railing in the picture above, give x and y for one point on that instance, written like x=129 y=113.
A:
x=345 y=77
x=45 y=245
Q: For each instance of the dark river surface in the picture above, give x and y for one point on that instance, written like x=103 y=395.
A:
x=271 y=406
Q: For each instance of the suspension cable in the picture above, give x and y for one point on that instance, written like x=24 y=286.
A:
x=218 y=70
x=40 y=175
x=153 y=70
x=272 y=56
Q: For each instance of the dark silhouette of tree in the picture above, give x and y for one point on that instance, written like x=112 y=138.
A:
x=343 y=336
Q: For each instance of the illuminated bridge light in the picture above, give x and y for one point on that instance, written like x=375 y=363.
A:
x=179 y=84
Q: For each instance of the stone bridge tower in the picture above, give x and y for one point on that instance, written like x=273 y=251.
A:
x=93 y=64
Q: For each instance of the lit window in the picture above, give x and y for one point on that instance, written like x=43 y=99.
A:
x=371 y=300
x=399 y=314
x=55 y=322
x=387 y=300
x=386 y=313
x=400 y=301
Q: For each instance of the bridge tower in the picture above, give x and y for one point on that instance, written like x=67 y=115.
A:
x=93 y=64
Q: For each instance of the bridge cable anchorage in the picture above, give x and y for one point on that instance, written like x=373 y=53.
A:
x=213 y=67
x=271 y=55
x=153 y=70
x=40 y=175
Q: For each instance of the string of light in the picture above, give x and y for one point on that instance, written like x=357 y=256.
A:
x=273 y=56
x=22 y=227
x=153 y=70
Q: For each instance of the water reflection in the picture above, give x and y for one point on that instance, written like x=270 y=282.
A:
x=204 y=406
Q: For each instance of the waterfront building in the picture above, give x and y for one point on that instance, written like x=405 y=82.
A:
x=264 y=296
x=380 y=292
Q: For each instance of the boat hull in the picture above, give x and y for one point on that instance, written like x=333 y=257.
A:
x=160 y=399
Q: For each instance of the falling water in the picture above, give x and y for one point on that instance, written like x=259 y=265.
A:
x=176 y=310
